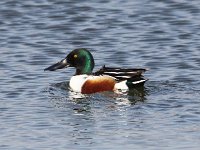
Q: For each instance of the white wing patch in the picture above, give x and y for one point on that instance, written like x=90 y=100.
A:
x=140 y=81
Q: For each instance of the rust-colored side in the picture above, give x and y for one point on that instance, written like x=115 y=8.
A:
x=98 y=84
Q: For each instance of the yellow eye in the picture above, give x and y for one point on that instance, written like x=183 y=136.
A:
x=75 y=56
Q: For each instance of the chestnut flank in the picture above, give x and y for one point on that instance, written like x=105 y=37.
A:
x=98 y=84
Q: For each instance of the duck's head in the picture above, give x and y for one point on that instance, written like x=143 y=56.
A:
x=80 y=58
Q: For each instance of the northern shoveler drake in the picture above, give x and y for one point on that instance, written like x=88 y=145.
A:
x=105 y=79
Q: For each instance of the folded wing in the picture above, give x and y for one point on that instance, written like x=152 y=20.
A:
x=121 y=74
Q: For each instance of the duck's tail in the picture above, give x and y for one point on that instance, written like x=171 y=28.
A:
x=132 y=77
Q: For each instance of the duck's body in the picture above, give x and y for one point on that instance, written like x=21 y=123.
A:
x=87 y=84
x=105 y=79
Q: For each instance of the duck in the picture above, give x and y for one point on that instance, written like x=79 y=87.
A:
x=85 y=81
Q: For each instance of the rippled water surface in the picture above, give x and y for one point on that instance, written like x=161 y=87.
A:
x=37 y=110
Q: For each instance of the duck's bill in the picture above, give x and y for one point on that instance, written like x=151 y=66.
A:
x=59 y=65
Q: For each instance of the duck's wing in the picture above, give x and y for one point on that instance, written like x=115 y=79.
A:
x=121 y=74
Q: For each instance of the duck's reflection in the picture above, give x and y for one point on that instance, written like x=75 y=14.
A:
x=87 y=114
x=130 y=97
x=83 y=101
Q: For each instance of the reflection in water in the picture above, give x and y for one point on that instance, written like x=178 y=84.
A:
x=92 y=114
x=137 y=94
x=62 y=96
x=132 y=96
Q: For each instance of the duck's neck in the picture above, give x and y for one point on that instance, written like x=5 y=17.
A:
x=83 y=71
x=85 y=68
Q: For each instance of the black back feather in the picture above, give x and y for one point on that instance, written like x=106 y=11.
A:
x=121 y=74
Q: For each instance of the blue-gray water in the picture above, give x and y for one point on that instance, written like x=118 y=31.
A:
x=37 y=111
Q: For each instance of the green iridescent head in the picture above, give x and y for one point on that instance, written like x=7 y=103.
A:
x=80 y=58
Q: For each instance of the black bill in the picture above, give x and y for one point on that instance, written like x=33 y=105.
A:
x=62 y=64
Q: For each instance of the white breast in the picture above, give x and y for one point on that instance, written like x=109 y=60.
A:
x=76 y=82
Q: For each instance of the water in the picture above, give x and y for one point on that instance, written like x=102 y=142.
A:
x=37 y=111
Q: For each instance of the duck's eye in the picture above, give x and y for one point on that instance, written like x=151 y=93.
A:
x=75 y=56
